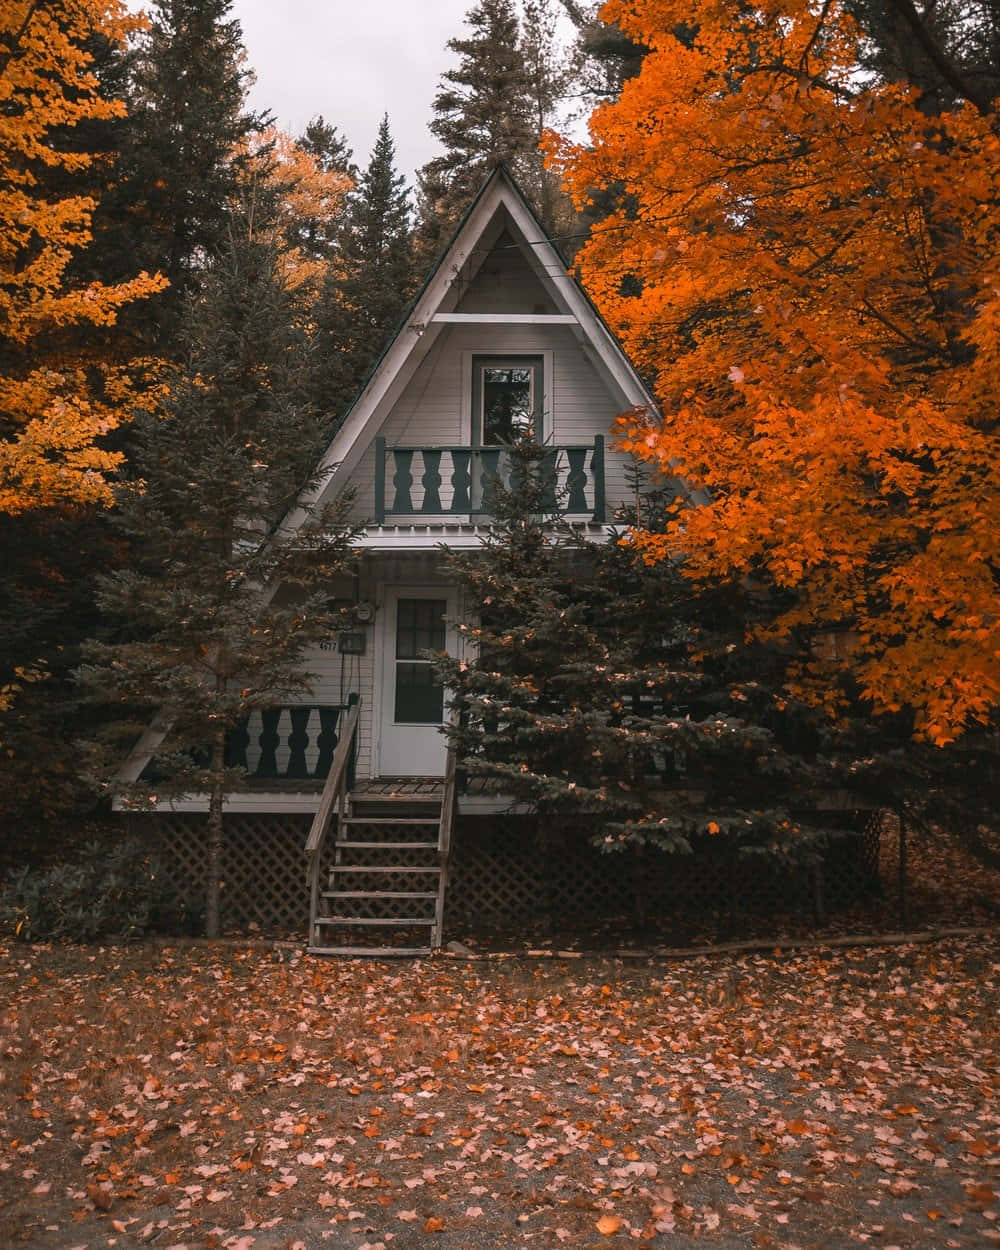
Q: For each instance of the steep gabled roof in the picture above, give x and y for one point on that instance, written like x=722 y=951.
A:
x=499 y=206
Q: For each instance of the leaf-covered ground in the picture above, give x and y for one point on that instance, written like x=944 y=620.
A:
x=202 y=1097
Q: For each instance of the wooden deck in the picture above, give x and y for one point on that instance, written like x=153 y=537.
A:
x=407 y=788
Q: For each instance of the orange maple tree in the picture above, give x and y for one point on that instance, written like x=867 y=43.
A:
x=58 y=399
x=307 y=199
x=806 y=261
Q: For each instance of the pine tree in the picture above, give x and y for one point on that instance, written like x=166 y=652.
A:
x=204 y=637
x=616 y=701
x=176 y=170
x=328 y=147
x=370 y=281
x=606 y=57
x=482 y=116
x=550 y=72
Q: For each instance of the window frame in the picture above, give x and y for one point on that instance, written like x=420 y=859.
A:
x=480 y=364
x=472 y=362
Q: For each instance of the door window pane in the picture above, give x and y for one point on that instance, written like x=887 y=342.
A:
x=419 y=697
x=420 y=627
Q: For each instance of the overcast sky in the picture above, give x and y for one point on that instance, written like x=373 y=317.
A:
x=352 y=62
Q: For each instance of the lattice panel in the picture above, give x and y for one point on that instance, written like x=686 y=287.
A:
x=501 y=876
x=263 y=865
x=498 y=876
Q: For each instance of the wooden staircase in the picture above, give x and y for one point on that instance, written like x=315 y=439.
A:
x=384 y=889
x=387 y=878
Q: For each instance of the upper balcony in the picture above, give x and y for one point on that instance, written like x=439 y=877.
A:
x=415 y=483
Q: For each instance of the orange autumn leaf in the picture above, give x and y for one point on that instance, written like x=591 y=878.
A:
x=100 y=1196
x=608 y=1225
x=433 y=1225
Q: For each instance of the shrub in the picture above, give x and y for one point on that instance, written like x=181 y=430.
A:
x=113 y=891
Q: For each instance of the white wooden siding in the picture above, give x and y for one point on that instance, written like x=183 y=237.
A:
x=505 y=283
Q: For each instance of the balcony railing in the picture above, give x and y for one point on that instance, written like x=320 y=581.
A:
x=423 y=483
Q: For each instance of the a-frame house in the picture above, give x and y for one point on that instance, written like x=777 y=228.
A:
x=501 y=342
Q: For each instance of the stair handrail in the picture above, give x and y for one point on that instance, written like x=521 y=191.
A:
x=330 y=803
x=448 y=800
x=444 y=840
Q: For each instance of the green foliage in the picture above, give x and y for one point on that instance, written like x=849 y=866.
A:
x=223 y=593
x=177 y=156
x=483 y=117
x=46 y=609
x=369 y=283
x=612 y=698
x=114 y=892
x=219 y=468
x=607 y=58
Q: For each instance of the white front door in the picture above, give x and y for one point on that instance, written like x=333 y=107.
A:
x=415 y=621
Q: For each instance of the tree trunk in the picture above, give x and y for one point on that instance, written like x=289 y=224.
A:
x=213 y=885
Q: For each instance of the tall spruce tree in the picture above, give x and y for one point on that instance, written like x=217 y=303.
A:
x=328 y=147
x=370 y=282
x=483 y=116
x=320 y=238
x=616 y=701
x=219 y=602
x=606 y=57
x=550 y=71
x=176 y=168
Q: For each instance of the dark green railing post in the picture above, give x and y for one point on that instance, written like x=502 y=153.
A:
x=597 y=471
x=380 y=481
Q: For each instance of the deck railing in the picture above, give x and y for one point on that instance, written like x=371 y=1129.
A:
x=421 y=483
x=294 y=742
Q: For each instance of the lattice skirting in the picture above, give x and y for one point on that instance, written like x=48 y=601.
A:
x=263 y=865
x=502 y=874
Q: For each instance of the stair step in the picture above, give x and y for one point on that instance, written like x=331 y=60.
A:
x=375 y=920
x=394 y=799
x=401 y=811
x=382 y=868
x=369 y=952
x=388 y=820
x=379 y=894
x=388 y=846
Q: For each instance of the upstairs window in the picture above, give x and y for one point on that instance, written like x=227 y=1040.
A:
x=506 y=399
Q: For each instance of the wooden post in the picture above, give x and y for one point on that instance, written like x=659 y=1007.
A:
x=352 y=701
x=597 y=470
x=380 y=481
x=818 y=896
x=213 y=884
x=904 y=906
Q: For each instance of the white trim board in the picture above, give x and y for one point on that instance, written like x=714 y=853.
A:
x=505 y=319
